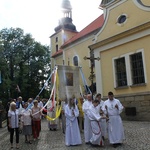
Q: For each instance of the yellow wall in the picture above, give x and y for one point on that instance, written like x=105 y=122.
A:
x=146 y=2
x=81 y=50
x=60 y=42
x=107 y=68
x=59 y=60
x=60 y=35
x=136 y=16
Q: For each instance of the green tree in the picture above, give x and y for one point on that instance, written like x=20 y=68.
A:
x=24 y=62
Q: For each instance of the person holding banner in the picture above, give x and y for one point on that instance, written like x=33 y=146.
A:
x=64 y=104
x=51 y=112
x=81 y=114
x=72 y=135
x=36 y=120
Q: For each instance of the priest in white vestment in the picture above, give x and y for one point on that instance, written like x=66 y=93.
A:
x=72 y=134
x=87 y=126
x=94 y=116
x=112 y=108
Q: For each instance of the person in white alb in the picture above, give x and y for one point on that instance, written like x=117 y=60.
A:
x=112 y=108
x=94 y=116
x=72 y=134
x=64 y=104
x=87 y=126
x=102 y=121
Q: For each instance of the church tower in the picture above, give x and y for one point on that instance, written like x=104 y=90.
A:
x=66 y=21
x=63 y=32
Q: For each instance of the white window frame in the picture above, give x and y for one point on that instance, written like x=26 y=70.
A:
x=128 y=67
x=144 y=65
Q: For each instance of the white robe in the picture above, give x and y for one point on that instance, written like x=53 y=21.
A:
x=115 y=126
x=72 y=134
x=95 y=118
x=103 y=123
x=87 y=127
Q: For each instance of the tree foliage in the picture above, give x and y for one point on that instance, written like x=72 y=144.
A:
x=24 y=62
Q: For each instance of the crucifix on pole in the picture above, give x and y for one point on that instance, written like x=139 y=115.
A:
x=92 y=60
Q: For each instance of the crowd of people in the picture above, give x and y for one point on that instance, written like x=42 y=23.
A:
x=101 y=119
x=96 y=118
x=25 y=117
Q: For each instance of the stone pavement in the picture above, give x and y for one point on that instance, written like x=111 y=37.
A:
x=137 y=138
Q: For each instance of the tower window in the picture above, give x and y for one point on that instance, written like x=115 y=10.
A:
x=56 y=48
x=56 y=39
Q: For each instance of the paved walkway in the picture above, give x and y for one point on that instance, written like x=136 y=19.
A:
x=137 y=138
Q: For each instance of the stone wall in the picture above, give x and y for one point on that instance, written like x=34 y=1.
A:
x=140 y=103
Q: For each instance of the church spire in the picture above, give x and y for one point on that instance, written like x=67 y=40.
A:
x=66 y=21
x=66 y=8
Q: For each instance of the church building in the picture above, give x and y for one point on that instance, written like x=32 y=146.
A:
x=69 y=47
x=123 y=47
x=119 y=37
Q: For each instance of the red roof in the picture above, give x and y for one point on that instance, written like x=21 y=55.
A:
x=96 y=24
x=59 y=52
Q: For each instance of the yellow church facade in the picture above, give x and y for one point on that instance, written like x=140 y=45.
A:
x=69 y=47
x=123 y=47
x=120 y=38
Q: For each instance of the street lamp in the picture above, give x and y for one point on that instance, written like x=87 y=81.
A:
x=92 y=59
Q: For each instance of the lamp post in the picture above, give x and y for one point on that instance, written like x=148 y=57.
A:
x=92 y=59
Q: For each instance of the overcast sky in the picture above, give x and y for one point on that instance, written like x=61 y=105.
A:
x=40 y=17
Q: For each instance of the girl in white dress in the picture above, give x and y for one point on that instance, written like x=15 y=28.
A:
x=73 y=136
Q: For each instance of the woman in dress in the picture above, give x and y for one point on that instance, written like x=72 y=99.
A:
x=26 y=119
x=13 y=119
x=36 y=120
x=72 y=135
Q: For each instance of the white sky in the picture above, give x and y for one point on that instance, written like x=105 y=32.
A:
x=40 y=17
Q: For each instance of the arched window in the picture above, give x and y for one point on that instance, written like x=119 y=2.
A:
x=56 y=48
x=75 y=60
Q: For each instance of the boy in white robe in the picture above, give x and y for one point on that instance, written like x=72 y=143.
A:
x=103 y=123
x=94 y=116
x=112 y=108
x=87 y=127
x=72 y=134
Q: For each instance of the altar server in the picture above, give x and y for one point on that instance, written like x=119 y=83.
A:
x=72 y=134
x=102 y=121
x=95 y=118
